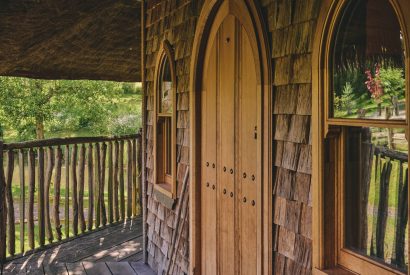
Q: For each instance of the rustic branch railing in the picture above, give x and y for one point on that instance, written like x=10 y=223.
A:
x=384 y=159
x=95 y=186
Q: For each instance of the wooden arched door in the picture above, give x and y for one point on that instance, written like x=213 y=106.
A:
x=230 y=151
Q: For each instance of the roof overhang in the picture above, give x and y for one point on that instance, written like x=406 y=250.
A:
x=71 y=39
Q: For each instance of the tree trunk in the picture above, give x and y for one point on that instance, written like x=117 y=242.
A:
x=379 y=109
x=395 y=102
x=39 y=128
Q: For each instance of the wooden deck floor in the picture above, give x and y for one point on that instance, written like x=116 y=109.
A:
x=113 y=250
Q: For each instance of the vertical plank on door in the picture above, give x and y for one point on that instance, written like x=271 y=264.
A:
x=209 y=161
x=247 y=156
x=226 y=146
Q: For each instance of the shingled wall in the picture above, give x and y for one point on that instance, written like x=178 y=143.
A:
x=174 y=21
x=291 y=25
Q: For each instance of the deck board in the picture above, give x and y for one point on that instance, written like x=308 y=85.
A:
x=75 y=268
x=121 y=268
x=96 y=268
x=55 y=269
x=115 y=249
x=134 y=258
x=119 y=252
x=141 y=268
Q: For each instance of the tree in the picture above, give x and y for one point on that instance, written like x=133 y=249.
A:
x=31 y=105
x=393 y=82
x=347 y=99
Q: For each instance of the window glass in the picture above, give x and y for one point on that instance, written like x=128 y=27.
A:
x=376 y=194
x=368 y=76
x=165 y=104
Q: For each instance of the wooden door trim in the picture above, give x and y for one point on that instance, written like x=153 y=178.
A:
x=250 y=15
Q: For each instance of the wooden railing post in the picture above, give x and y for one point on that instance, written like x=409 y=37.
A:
x=2 y=209
x=81 y=179
x=129 y=179
x=11 y=230
x=110 y=184
x=31 y=189
x=116 y=181
x=102 y=184
x=90 y=187
x=140 y=169
x=67 y=192
x=22 y=206
x=74 y=199
x=97 y=179
x=121 y=167
x=134 y=178
x=40 y=193
x=57 y=186
x=49 y=174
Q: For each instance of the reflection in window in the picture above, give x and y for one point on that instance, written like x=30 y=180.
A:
x=376 y=188
x=368 y=63
x=165 y=88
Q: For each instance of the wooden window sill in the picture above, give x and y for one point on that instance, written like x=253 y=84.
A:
x=333 y=271
x=164 y=196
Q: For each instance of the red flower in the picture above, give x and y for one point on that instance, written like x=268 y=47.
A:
x=374 y=84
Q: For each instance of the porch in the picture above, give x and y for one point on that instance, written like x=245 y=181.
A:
x=114 y=249
x=72 y=206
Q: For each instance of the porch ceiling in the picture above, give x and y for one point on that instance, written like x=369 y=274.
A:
x=71 y=39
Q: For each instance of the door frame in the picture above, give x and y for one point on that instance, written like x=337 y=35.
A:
x=249 y=14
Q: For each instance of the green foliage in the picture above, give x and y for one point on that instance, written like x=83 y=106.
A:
x=393 y=83
x=123 y=125
x=30 y=106
x=354 y=78
x=131 y=88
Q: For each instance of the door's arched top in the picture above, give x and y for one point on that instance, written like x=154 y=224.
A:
x=212 y=15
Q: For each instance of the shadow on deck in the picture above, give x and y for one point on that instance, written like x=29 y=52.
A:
x=115 y=249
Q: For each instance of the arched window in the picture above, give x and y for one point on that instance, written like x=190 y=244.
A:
x=165 y=122
x=363 y=172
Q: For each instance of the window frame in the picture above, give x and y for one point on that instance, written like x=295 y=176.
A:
x=169 y=187
x=329 y=253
